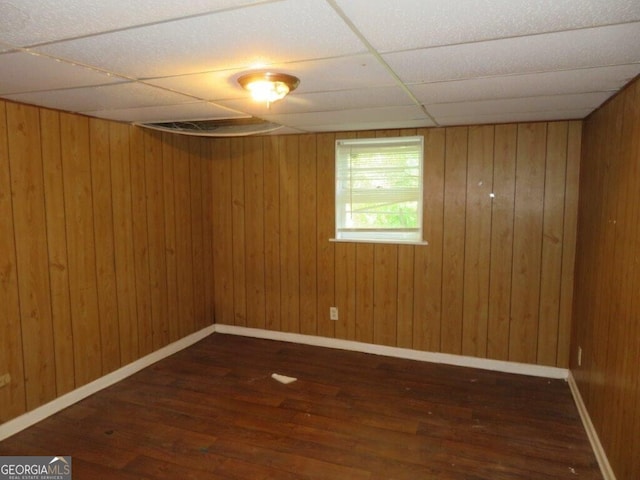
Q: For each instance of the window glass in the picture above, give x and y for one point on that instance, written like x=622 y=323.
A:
x=379 y=189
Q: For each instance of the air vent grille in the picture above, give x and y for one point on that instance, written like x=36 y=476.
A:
x=228 y=127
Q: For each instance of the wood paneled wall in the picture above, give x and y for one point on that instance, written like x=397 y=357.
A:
x=495 y=280
x=116 y=241
x=607 y=292
x=106 y=250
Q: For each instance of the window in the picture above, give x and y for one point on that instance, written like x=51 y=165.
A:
x=379 y=189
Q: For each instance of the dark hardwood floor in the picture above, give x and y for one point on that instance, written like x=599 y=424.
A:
x=213 y=411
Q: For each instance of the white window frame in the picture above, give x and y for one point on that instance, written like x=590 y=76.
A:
x=345 y=150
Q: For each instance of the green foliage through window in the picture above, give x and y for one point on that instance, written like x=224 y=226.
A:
x=379 y=189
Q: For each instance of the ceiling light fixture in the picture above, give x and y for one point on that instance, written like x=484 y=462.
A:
x=268 y=87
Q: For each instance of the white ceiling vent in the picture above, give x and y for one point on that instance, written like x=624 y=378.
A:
x=228 y=127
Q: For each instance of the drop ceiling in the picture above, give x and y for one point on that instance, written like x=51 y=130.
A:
x=362 y=64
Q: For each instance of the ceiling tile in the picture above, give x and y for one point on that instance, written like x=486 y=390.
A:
x=409 y=24
x=341 y=73
x=369 y=116
x=361 y=125
x=108 y=97
x=601 y=46
x=325 y=101
x=167 y=113
x=24 y=72
x=29 y=22
x=519 y=105
x=550 y=115
x=214 y=85
x=471 y=61
x=269 y=33
x=536 y=84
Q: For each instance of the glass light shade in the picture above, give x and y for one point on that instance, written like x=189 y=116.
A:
x=268 y=87
x=267 y=91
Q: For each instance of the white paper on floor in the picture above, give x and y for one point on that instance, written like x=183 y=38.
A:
x=283 y=378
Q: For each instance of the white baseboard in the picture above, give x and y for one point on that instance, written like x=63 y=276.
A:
x=17 y=424
x=458 y=360
x=445 y=358
x=598 y=450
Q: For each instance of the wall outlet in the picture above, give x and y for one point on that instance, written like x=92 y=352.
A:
x=579 y=356
x=333 y=313
x=5 y=380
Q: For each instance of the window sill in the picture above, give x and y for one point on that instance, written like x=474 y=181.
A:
x=388 y=242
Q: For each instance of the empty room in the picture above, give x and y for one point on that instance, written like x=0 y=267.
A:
x=320 y=239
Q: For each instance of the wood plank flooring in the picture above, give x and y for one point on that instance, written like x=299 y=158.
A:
x=213 y=411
